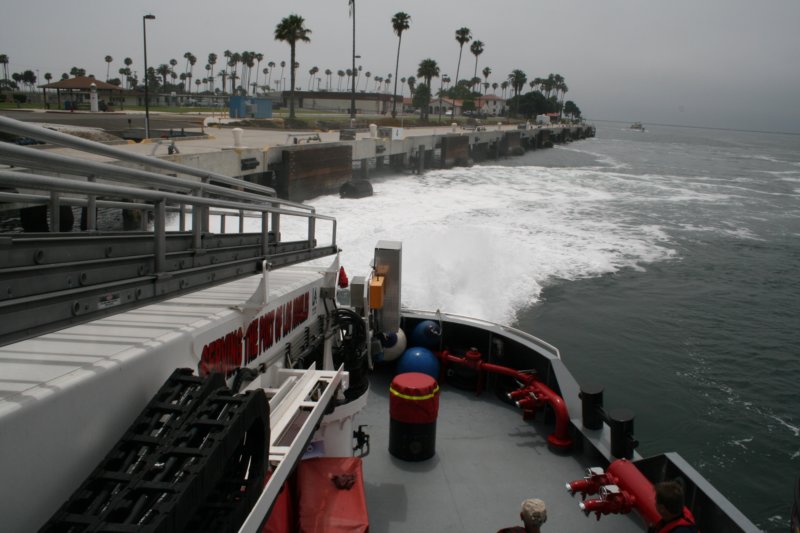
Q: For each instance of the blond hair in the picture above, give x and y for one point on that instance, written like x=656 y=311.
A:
x=534 y=512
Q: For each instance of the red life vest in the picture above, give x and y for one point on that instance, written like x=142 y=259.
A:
x=687 y=520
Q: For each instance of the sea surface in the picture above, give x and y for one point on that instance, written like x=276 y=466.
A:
x=664 y=264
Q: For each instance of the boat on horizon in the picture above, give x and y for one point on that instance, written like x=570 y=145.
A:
x=174 y=379
x=637 y=126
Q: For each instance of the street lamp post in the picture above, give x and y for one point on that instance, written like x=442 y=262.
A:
x=146 y=90
x=441 y=88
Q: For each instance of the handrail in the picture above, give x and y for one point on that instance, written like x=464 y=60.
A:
x=41 y=160
x=62 y=139
x=141 y=187
x=68 y=277
x=70 y=141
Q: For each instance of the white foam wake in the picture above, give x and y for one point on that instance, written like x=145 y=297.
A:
x=483 y=241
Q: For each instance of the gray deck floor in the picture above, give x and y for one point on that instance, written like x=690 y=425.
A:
x=488 y=459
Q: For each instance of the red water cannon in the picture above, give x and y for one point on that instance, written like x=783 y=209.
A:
x=595 y=478
x=622 y=488
x=531 y=394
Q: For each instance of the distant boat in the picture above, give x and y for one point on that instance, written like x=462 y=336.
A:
x=637 y=126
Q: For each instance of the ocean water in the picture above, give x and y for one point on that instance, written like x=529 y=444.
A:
x=665 y=265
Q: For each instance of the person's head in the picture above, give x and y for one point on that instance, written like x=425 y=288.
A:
x=669 y=499
x=533 y=513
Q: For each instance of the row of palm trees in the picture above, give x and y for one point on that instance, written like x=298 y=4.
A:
x=292 y=30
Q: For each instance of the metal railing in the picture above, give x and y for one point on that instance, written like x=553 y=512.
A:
x=63 y=273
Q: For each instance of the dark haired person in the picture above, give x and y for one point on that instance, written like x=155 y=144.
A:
x=675 y=517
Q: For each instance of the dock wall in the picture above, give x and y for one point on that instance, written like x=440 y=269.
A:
x=302 y=171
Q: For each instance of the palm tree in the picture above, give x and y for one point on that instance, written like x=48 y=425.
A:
x=412 y=81
x=283 y=65
x=367 y=76
x=564 y=90
x=477 y=49
x=271 y=66
x=486 y=72
x=108 y=60
x=427 y=70
x=400 y=23
x=517 y=78
x=311 y=72
x=463 y=36
x=163 y=71
x=4 y=60
x=339 y=73
x=328 y=73
x=224 y=75
x=186 y=56
x=259 y=57
x=212 y=60
x=291 y=30
x=48 y=76
x=192 y=62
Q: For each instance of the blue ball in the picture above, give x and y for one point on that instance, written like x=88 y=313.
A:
x=417 y=359
x=427 y=333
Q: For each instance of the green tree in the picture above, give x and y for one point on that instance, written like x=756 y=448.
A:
x=422 y=100
x=463 y=36
x=517 y=79
x=108 y=60
x=163 y=70
x=486 y=73
x=212 y=60
x=477 y=49
x=411 y=80
x=427 y=70
x=311 y=72
x=271 y=66
x=4 y=60
x=400 y=23
x=259 y=57
x=291 y=30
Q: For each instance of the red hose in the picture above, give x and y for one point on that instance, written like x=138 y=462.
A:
x=532 y=392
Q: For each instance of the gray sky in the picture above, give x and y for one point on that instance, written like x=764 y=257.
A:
x=719 y=63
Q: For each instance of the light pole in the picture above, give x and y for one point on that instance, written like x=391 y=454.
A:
x=146 y=90
x=353 y=88
x=441 y=88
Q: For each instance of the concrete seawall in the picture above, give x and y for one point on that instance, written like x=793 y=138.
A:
x=314 y=167
x=303 y=165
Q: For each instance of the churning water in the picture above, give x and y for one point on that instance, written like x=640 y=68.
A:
x=665 y=265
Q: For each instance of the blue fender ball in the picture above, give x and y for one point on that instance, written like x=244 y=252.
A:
x=426 y=334
x=418 y=359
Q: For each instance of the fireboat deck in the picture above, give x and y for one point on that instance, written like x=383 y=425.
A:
x=488 y=459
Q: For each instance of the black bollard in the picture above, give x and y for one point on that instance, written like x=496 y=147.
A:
x=591 y=396
x=622 y=441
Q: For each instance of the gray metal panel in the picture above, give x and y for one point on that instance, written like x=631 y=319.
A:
x=388 y=263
